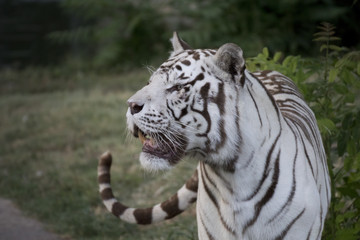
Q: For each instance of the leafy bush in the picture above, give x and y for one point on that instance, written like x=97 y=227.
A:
x=110 y=33
x=283 y=25
x=331 y=86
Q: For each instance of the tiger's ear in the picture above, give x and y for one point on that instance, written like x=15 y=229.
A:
x=229 y=58
x=178 y=44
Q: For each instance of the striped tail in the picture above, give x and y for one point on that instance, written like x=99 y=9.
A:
x=168 y=209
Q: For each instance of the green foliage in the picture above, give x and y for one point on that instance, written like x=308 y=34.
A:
x=113 y=32
x=252 y=23
x=331 y=86
x=118 y=33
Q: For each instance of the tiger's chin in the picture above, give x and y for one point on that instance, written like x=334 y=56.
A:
x=153 y=163
x=158 y=154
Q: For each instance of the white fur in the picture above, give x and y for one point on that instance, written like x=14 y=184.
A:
x=152 y=163
x=158 y=214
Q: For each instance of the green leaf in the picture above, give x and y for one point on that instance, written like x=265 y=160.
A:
x=321 y=39
x=358 y=68
x=346 y=191
x=333 y=74
x=335 y=48
x=287 y=61
x=347 y=233
x=326 y=126
x=348 y=163
x=294 y=65
x=341 y=144
x=323 y=47
x=326 y=28
x=250 y=65
x=334 y=38
x=347 y=121
x=341 y=89
x=277 y=56
x=351 y=148
x=341 y=62
x=349 y=98
x=324 y=34
x=349 y=78
x=265 y=52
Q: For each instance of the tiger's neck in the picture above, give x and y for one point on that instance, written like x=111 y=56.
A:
x=233 y=186
x=254 y=137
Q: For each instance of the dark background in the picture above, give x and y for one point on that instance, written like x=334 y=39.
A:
x=110 y=33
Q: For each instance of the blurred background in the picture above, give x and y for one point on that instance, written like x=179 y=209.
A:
x=67 y=68
x=119 y=33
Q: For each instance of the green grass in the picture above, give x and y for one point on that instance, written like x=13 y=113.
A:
x=53 y=127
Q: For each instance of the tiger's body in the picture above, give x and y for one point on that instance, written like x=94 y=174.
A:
x=262 y=172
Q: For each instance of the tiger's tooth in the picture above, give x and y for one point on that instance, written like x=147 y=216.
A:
x=141 y=137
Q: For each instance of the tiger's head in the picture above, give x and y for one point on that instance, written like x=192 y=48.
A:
x=188 y=107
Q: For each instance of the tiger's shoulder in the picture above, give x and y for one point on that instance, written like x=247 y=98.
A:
x=277 y=84
x=288 y=98
x=285 y=93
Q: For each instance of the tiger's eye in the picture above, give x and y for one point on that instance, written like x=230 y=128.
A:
x=177 y=88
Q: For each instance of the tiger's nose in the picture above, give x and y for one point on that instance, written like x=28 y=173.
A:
x=135 y=107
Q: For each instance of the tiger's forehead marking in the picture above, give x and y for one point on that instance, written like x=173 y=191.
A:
x=186 y=58
x=180 y=61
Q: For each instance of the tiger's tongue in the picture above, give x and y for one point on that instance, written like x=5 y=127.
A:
x=148 y=141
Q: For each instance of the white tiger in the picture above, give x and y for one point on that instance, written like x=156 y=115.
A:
x=262 y=172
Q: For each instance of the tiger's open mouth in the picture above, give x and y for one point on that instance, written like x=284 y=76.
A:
x=160 y=146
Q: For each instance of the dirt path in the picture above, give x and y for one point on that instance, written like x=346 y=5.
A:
x=15 y=226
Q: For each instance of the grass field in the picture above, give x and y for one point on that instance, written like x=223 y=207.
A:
x=53 y=127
